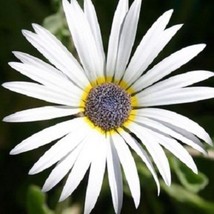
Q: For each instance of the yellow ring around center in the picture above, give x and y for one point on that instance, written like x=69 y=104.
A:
x=125 y=87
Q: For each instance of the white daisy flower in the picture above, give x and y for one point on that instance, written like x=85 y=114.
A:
x=109 y=97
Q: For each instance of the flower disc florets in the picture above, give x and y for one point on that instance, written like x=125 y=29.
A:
x=108 y=106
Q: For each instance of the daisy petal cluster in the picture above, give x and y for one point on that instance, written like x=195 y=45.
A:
x=114 y=100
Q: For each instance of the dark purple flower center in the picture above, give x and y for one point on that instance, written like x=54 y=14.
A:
x=108 y=106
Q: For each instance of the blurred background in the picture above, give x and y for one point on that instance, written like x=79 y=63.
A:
x=20 y=193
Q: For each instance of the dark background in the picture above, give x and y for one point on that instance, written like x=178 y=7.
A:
x=15 y=183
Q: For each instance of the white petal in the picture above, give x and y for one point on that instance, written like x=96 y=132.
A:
x=59 y=150
x=179 y=81
x=44 y=33
x=84 y=40
x=36 y=62
x=61 y=169
x=114 y=176
x=96 y=174
x=188 y=135
x=93 y=22
x=142 y=154
x=113 y=44
x=47 y=135
x=41 y=113
x=176 y=149
x=168 y=131
x=149 y=47
x=57 y=54
x=48 y=77
x=80 y=167
x=177 y=96
x=154 y=149
x=168 y=65
x=127 y=37
x=129 y=167
x=177 y=120
x=41 y=92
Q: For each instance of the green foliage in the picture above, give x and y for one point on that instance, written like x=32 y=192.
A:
x=191 y=181
x=56 y=24
x=36 y=201
x=183 y=195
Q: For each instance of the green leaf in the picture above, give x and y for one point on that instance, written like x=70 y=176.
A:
x=36 y=201
x=191 y=181
x=182 y=195
x=56 y=24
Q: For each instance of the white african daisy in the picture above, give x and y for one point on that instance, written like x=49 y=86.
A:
x=109 y=98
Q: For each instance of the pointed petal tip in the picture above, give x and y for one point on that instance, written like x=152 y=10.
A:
x=5 y=119
x=195 y=170
x=17 y=53
x=24 y=32
x=168 y=181
x=45 y=188
x=4 y=85
x=27 y=33
x=169 y=12
x=60 y=200
x=11 y=64
x=14 y=151
x=34 y=170
x=14 y=65
x=137 y=202
x=203 y=45
x=62 y=197
x=175 y=28
x=7 y=85
x=34 y=25
x=203 y=151
x=179 y=25
x=208 y=154
x=158 y=188
x=158 y=192
x=210 y=142
x=8 y=119
x=200 y=46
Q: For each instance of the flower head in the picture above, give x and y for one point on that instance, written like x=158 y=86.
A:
x=109 y=97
